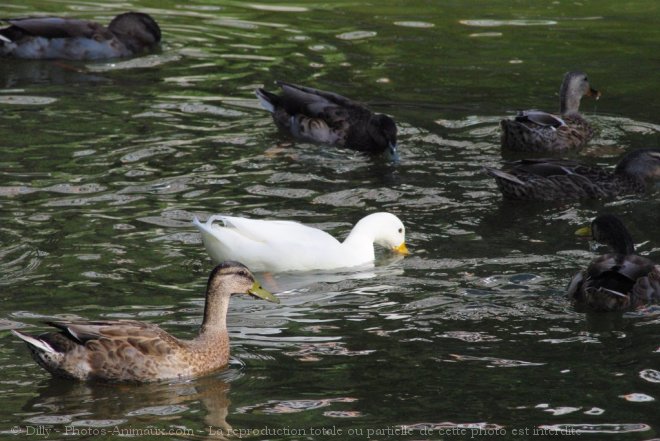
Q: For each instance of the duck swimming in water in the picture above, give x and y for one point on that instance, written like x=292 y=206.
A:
x=133 y=351
x=560 y=179
x=618 y=281
x=538 y=131
x=328 y=118
x=42 y=38
x=278 y=246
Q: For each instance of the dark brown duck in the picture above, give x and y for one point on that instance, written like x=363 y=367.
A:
x=617 y=281
x=328 y=118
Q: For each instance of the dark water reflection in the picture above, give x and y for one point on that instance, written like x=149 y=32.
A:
x=105 y=164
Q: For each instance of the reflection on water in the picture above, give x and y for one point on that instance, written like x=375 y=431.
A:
x=105 y=164
x=73 y=405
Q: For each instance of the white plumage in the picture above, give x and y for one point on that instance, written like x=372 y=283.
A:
x=276 y=246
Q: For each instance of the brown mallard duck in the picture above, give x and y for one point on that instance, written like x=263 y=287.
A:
x=618 y=281
x=128 y=350
x=41 y=38
x=560 y=179
x=327 y=118
x=537 y=131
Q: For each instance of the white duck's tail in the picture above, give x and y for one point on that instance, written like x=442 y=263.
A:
x=37 y=344
x=206 y=226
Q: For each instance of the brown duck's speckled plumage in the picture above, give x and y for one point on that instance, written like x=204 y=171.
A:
x=558 y=179
x=328 y=118
x=126 y=350
x=617 y=281
x=127 y=34
x=537 y=131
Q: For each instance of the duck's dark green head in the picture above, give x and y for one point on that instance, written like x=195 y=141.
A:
x=609 y=230
x=383 y=130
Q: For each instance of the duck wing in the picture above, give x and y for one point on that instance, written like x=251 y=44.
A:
x=553 y=179
x=276 y=231
x=537 y=118
x=102 y=336
x=313 y=102
x=56 y=27
x=617 y=282
x=545 y=167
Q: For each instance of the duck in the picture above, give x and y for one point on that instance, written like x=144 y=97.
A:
x=324 y=117
x=280 y=246
x=538 y=131
x=134 y=351
x=41 y=38
x=617 y=281
x=561 y=179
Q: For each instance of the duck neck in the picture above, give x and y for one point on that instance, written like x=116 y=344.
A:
x=361 y=243
x=622 y=243
x=215 y=315
x=569 y=102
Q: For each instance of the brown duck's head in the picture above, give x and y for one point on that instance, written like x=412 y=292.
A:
x=642 y=164
x=232 y=277
x=138 y=31
x=382 y=130
x=573 y=88
x=609 y=230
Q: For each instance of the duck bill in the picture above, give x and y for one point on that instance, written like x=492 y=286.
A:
x=393 y=152
x=584 y=232
x=593 y=93
x=257 y=291
x=401 y=249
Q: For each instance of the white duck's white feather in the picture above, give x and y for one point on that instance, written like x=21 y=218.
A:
x=270 y=245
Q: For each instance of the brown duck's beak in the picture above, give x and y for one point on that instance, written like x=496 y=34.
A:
x=257 y=291
x=594 y=93
x=401 y=249
x=584 y=232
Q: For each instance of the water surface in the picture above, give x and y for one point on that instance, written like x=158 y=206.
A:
x=105 y=164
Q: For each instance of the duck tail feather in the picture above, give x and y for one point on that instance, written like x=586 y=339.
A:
x=34 y=342
x=496 y=173
x=266 y=99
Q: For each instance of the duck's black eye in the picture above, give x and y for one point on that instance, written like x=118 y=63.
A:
x=400 y=230
x=586 y=79
x=243 y=273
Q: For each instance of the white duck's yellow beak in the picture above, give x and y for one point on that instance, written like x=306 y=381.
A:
x=401 y=249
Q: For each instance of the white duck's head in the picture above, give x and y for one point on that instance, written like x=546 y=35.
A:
x=384 y=229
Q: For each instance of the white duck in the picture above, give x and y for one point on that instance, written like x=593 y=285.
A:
x=276 y=246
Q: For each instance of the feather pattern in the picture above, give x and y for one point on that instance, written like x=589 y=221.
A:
x=328 y=118
x=128 y=350
x=538 y=131
x=272 y=245
x=559 y=179
x=617 y=281
x=127 y=34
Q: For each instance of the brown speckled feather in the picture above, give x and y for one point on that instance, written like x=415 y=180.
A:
x=127 y=350
x=557 y=179
x=537 y=131
x=66 y=38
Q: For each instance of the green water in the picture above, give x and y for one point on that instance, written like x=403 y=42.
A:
x=104 y=165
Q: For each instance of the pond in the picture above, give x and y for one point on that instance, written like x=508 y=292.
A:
x=104 y=165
